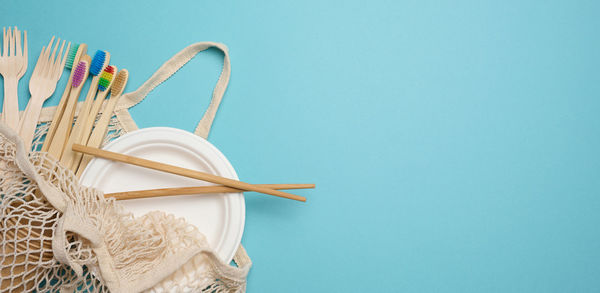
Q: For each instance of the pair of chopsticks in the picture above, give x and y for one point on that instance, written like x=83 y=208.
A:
x=229 y=185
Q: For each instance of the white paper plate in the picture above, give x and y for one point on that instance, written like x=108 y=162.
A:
x=220 y=217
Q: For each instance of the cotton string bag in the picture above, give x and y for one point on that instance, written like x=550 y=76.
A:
x=69 y=238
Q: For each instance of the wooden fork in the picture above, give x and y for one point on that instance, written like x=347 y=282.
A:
x=42 y=84
x=13 y=65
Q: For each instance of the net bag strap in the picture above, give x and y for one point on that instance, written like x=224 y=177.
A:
x=169 y=68
x=173 y=65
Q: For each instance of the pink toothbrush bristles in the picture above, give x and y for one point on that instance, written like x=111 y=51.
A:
x=79 y=73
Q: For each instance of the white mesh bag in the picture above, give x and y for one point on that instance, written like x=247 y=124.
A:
x=59 y=236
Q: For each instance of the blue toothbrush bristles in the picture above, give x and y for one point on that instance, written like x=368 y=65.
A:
x=97 y=62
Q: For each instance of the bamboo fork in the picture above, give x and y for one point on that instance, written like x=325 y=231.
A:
x=195 y=190
x=13 y=65
x=42 y=84
x=182 y=171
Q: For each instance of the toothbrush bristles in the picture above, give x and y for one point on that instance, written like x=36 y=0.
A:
x=97 y=62
x=119 y=82
x=106 y=78
x=71 y=56
x=79 y=73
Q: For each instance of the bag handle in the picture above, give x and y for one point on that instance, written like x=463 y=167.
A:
x=169 y=68
x=173 y=65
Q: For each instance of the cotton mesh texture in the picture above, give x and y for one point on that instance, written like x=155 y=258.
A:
x=91 y=244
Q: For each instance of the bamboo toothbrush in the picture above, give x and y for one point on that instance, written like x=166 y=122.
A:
x=73 y=58
x=99 y=132
x=78 y=77
x=99 y=62
x=106 y=79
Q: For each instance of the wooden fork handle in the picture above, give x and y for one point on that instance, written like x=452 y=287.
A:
x=10 y=112
x=29 y=121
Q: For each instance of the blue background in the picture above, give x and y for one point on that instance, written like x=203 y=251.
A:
x=454 y=144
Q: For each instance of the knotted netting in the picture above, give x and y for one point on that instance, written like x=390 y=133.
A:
x=59 y=236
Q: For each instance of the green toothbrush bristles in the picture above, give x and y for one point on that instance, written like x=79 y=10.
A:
x=103 y=84
x=71 y=56
x=106 y=78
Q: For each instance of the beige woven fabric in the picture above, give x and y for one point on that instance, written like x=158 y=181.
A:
x=68 y=237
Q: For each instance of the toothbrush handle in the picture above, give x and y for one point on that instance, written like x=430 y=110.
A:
x=57 y=116
x=64 y=126
x=98 y=133
x=11 y=102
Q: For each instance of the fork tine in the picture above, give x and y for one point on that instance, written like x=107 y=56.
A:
x=60 y=52
x=13 y=45
x=50 y=43
x=25 y=52
x=11 y=42
x=19 y=49
x=57 y=69
x=55 y=48
x=48 y=49
x=38 y=64
x=52 y=59
x=61 y=68
x=4 y=42
x=48 y=59
x=52 y=69
x=43 y=59
x=7 y=43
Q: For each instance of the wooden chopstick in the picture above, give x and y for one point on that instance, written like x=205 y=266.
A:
x=182 y=171
x=195 y=190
